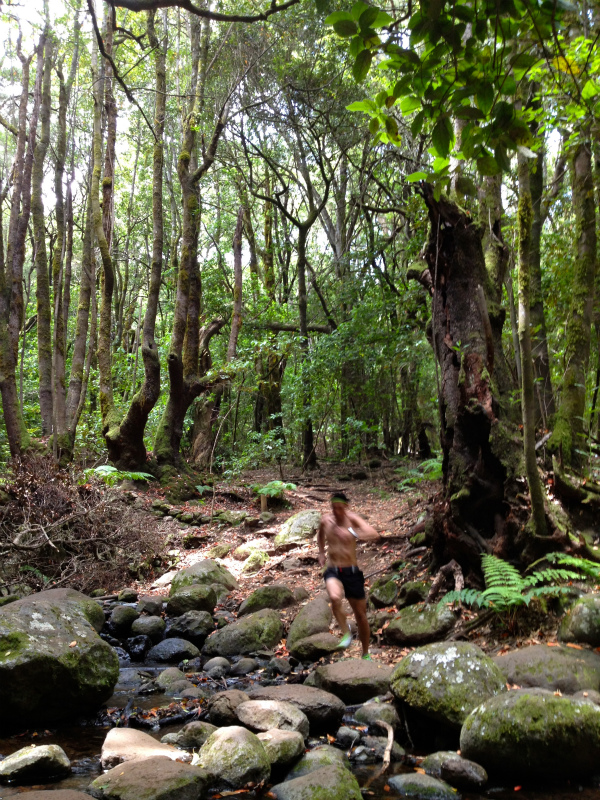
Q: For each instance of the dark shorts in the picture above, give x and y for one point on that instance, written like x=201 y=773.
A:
x=351 y=579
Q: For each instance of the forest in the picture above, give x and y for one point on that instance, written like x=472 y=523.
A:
x=235 y=236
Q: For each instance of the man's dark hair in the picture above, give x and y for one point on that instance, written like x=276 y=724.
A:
x=339 y=497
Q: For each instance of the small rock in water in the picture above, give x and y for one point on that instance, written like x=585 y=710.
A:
x=244 y=666
x=173 y=650
x=420 y=786
x=154 y=627
x=218 y=661
x=280 y=666
x=264 y=715
x=39 y=763
x=121 y=620
x=347 y=737
x=123 y=656
x=192 y=735
x=169 y=676
x=150 y=605
x=376 y=746
x=222 y=706
x=128 y=596
x=138 y=646
x=464 y=774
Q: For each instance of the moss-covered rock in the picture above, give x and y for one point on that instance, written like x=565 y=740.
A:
x=544 y=667
x=313 y=618
x=314 y=647
x=274 y=596
x=205 y=573
x=420 y=624
x=422 y=787
x=31 y=764
x=155 y=778
x=531 y=733
x=196 y=597
x=264 y=715
x=191 y=736
x=219 y=551
x=194 y=626
x=52 y=662
x=299 y=527
x=582 y=622
x=246 y=549
x=233 y=757
x=371 y=712
x=384 y=591
x=255 y=561
x=232 y=517
x=354 y=680
x=412 y=592
x=153 y=627
x=258 y=631
x=282 y=747
x=327 y=783
x=319 y=757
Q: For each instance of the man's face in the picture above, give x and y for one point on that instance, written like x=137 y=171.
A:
x=339 y=511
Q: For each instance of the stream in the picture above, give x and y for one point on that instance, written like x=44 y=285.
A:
x=82 y=742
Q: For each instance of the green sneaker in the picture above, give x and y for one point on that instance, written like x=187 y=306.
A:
x=345 y=641
x=367 y=657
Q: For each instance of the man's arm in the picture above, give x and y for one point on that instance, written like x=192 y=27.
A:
x=364 y=531
x=321 y=543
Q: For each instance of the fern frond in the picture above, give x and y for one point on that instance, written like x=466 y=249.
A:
x=468 y=597
x=551 y=575
x=498 y=572
x=584 y=565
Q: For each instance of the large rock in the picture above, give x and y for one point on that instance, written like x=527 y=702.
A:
x=264 y=715
x=371 y=712
x=246 y=549
x=247 y=635
x=416 y=625
x=35 y=763
x=274 y=596
x=327 y=783
x=455 y=770
x=128 y=744
x=531 y=733
x=299 y=528
x=155 y=778
x=121 y=620
x=556 y=668
x=282 y=747
x=204 y=572
x=323 y=709
x=171 y=650
x=52 y=662
x=222 y=707
x=384 y=591
x=444 y=682
x=153 y=627
x=233 y=757
x=322 y=756
x=192 y=735
x=58 y=794
x=194 y=626
x=422 y=787
x=192 y=598
x=314 y=647
x=582 y=622
x=354 y=680
x=313 y=618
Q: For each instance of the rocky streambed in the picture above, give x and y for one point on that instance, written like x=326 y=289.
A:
x=177 y=698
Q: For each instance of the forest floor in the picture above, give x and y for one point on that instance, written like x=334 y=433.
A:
x=375 y=497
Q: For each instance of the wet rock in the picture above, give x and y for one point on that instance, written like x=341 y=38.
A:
x=324 y=756
x=137 y=647
x=582 y=622
x=274 y=596
x=375 y=747
x=153 y=627
x=127 y=596
x=52 y=662
x=123 y=656
x=412 y=592
x=246 y=635
x=383 y=592
x=173 y=650
x=222 y=706
x=313 y=618
x=155 y=778
x=128 y=744
x=324 y=710
x=169 y=676
x=279 y=666
x=545 y=667
x=150 y=605
x=193 y=693
x=194 y=626
x=298 y=528
x=371 y=712
x=244 y=666
x=531 y=733
x=192 y=598
x=217 y=661
x=281 y=746
x=463 y=774
x=354 y=680
x=432 y=764
x=233 y=757
x=204 y=573
x=418 y=624
x=347 y=737
x=263 y=715
x=422 y=787
x=41 y=763
x=327 y=783
x=121 y=620
x=58 y=794
x=191 y=736
x=314 y=647
x=445 y=681
x=246 y=549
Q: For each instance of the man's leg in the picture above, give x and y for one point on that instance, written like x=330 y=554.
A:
x=335 y=590
x=362 y=623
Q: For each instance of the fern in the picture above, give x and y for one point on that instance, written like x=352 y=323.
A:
x=588 y=568
x=111 y=475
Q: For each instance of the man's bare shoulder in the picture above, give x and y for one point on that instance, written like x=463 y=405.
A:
x=327 y=521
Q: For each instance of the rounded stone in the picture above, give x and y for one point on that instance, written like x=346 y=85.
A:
x=151 y=605
x=35 y=763
x=354 y=680
x=323 y=709
x=191 y=736
x=247 y=635
x=299 y=527
x=327 y=783
x=244 y=666
x=217 y=661
x=192 y=598
x=173 y=650
x=168 y=676
x=582 y=622
x=556 y=668
x=204 y=572
x=282 y=747
x=194 y=626
x=127 y=596
x=121 y=620
x=418 y=624
x=263 y=715
x=422 y=787
x=234 y=756
x=273 y=596
x=323 y=756
x=153 y=627
x=222 y=706
x=371 y=712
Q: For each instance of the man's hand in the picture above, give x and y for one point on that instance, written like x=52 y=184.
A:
x=321 y=559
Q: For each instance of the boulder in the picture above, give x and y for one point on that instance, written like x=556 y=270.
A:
x=246 y=549
x=204 y=572
x=232 y=517
x=282 y=747
x=412 y=592
x=264 y=715
x=128 y=744
x=191 y=736
x=354 y=680
x=556 y=668
x=150 y=605
x=455 y=770
x=444 y=682
x=233 y=757
x=422 y=787
x=156 y=778
x=257 y=631
x=275 y=596
x=173 y=650
x=137 y=647
x=327 y=783
x=314 y=647
x=127 y=595
x=153 y=627
x=35 y=764
x=384 y=591
x=432 y=764
x=52 y=662
x=298 y=528
x=169 y=676
x=530 y=733
x=223 y=705
x=313 y=618
x=192 y=598
x=582 y=622
x=324 y=710
x=371 y=712
x=121 y=619
x=244 y=666
x=218 y=662
x=255 y=561
x=319 y=757
x=194 y=626
x=419 y=624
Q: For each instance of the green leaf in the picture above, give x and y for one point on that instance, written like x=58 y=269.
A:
x=345 y=28
x=360 y=68
x=321 y=6
x=357 y=9
x=373 y=126
x=368 y=106
x=468 y=112
x=391 y=127
x=589 y=90
x=367 y=18
x=502 y=159
x=337 y=16
x=442 y=136
x=417 y=124
x=487 y=165
x=409 y=104
x=389 y=101
x=416 y=176
x=485 y=98
x=382 y=20
x=466 y=186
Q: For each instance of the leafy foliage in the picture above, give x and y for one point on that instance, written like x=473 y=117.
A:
x=111 y=475
x=274 y=489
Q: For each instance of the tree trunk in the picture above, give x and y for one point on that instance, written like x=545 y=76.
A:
x=309 y=455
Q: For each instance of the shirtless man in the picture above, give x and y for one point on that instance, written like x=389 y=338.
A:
x=340 y=530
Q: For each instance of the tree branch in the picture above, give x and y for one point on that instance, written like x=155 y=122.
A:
x=187 y=5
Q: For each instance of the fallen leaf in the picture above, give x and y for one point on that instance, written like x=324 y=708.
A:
x=574 y=646
x=553 y=644
x=73 y=644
